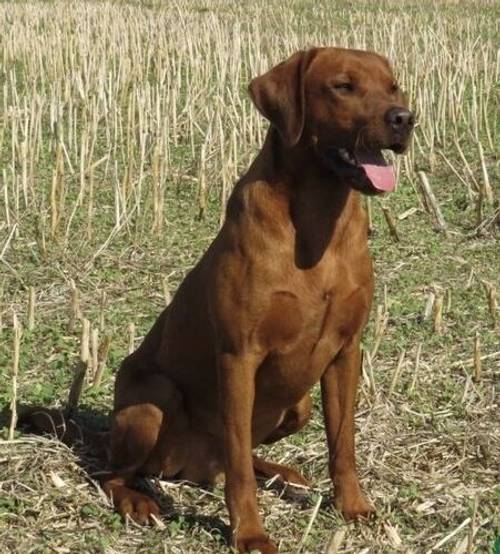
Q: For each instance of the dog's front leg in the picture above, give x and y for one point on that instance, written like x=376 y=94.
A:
x=338 y=393
x=237 y=390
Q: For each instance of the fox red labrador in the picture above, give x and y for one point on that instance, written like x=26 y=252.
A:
x=277 y=303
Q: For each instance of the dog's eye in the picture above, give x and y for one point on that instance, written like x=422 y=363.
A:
x=345 y=87
x=394 y=88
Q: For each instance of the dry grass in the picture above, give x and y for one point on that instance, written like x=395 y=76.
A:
x=123 y=128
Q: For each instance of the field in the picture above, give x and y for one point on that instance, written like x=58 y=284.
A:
x=123 y=127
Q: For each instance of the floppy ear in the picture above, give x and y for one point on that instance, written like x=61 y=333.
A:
x=279 y=95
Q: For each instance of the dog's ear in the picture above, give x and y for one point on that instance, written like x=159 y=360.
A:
x=279 y=95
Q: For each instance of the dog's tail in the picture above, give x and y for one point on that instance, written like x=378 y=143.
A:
x=61 y=425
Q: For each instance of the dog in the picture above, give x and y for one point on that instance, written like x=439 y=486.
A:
x=276 y=304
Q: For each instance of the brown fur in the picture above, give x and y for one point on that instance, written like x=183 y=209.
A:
x=276 y=304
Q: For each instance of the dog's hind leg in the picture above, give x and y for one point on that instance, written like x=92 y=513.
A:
x=283 y=474
x=148 y=435
x=294 y=419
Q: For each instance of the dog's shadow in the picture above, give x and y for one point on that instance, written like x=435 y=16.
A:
x=87 y=432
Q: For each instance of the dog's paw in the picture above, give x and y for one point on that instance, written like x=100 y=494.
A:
x=256 y=543
x=349 y=499
x=293 y=477
x=353 y=507
x=138 y=507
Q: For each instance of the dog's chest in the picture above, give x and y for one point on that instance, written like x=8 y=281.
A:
x=305 y=331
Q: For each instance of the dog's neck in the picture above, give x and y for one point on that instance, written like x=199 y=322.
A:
x=321 y=207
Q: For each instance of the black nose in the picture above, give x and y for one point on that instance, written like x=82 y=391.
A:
x=400 y=119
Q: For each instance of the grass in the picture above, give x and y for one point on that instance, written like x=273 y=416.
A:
x=123 y=128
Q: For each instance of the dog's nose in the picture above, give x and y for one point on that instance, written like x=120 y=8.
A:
x=400 y=119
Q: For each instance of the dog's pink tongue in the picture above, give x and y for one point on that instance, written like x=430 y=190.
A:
x=380 y=173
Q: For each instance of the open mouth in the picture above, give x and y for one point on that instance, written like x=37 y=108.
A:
x=369 y=163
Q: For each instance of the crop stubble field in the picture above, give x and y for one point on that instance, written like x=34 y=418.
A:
x=122 y=129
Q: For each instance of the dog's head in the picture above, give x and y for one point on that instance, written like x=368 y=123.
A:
x=346 y=105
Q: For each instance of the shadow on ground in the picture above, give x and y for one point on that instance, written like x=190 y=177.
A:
x=87 y=432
